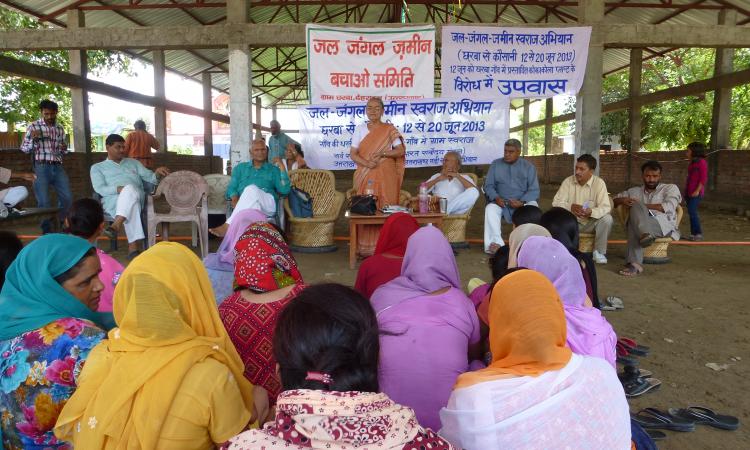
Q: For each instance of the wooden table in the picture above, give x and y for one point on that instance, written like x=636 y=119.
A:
x=378 y=219
x=44 y=213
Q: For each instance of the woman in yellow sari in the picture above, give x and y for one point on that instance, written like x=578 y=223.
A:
x=168 y=377
x=378 y=149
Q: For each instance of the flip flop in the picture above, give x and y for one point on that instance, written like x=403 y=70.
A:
x=627 y=361
x=632 y=372
x=652 y=418
x=630 y=271
x=705 y=416
x=633 y=347
x=640 y=386
x=614 y=302
x=656 y=435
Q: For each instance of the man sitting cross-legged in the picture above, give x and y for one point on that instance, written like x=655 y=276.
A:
x=119 y=180
x=256 y=185
x=653 y=214
x=458 y=189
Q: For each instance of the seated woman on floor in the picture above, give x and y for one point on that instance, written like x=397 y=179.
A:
x=589 y=333
x=563 y=226
x=86 y=220
x=385 y=264
x=267 y=279
x=48 y=326
x=430 y=328
x=326 y=346
x=220 y=265
x=168 y=377
x=536 y=393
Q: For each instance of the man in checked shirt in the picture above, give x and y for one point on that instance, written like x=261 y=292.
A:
x=45 y=140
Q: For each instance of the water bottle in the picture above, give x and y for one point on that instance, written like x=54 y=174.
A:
x=424 y=199
x=370 y=189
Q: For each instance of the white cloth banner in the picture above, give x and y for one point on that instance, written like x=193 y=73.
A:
x=431 y=127
x=491 y=62
x=354 y=64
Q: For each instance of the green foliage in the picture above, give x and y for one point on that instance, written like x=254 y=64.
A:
x=19 y=98
x=181 y=149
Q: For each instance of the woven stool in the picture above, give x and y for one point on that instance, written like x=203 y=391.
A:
x=586 y=242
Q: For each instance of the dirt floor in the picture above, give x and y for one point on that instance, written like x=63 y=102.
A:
x=690 y=312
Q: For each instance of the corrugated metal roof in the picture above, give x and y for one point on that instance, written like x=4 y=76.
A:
x=192 y=63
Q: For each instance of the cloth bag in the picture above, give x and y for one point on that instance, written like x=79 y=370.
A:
x=301 y=203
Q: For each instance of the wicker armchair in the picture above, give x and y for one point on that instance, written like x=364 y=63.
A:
x=314 y=234
x=454 y=226
x=658 y=252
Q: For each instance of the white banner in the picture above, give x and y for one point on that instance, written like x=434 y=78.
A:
x=491 y=62
x=354 y=64
x=432 y=127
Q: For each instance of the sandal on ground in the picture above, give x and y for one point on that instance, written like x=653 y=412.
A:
x=656 y=435
x=632 y=372
x=705 y=416
x=614 y=302
x=627 y=361
x=646 y=240
x=639 y=386
x=632 y=347
x=110 y=232
x=652 y=418
x=630 y=270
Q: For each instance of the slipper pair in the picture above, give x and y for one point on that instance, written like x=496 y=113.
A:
x=684 y=419
x=612 y=303
x=636 y=382
x=627 y=346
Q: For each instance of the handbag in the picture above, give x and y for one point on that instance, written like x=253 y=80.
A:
x=301 y=203
x=365 y=205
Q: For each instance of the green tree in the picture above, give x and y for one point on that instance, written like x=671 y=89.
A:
x=19 y=97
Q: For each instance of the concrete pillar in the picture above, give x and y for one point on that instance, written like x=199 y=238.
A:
x=634 y=112
x=240 y=87
x=722 y=109
x=548 y=111
x=79 y=97
x=160 y=113
x=526 y=103
x=273 y=112
x=258 y=114
x=208 y=132
x=589 y=99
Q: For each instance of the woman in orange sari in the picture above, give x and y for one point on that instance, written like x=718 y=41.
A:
x=378 y=150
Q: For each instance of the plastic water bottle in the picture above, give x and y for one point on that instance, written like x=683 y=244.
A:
x=424 y=199
x=370 y=190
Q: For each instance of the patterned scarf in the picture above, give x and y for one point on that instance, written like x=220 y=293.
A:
x=263 y=261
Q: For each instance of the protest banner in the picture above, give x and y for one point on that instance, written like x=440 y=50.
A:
x=491 y=62
x=354 y=64
x=430 y=128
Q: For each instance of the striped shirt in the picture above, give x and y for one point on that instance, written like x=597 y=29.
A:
x=50 y=147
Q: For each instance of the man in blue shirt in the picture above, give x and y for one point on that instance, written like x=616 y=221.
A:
x=511 y=183
x=257 y=184
x=119 y=180
x=277 y=143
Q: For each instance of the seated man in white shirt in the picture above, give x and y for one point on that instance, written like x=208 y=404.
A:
x=11 y=196
x=451 y=184
x=585 y=195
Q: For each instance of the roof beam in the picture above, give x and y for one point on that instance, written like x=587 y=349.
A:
x=24 y=69
x=293 y=35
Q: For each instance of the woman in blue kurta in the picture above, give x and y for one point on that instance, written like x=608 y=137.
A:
x=48 y=325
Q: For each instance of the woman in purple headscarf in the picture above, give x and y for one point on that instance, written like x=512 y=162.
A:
x=220 y=265
x=430 y=328
x=589 y=333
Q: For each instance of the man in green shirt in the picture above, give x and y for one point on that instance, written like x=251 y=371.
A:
x=257 y=184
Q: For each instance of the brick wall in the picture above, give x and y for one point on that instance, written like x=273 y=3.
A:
x=78 y=172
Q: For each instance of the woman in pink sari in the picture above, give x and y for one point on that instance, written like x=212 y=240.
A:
x=589 y=333
x=431 y=330
x=378 y=150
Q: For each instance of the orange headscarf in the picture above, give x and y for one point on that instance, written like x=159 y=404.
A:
x=527 y=329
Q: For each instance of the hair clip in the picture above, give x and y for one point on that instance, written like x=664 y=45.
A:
x=321 y=377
